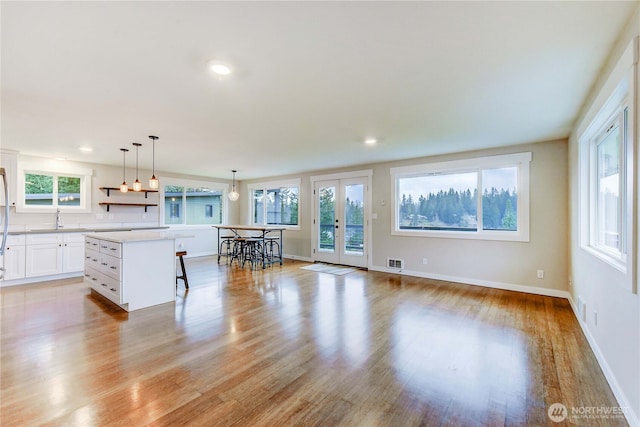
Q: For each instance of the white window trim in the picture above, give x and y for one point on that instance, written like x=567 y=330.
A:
x=616 y=94
x=49 y=167
x=519 y=160
x=617 y=260
x=224 y=187
x=271 y=185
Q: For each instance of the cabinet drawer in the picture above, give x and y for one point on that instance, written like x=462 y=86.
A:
x=92 y=259
x=91 y=243
x=111 y=266
x=41 y=239
x=114 y=288
x=111 y=248
x=105 y=285
x=92 y=277
x=72 y=237
x=16 y=240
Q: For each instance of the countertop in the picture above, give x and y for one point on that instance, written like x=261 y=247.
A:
x=86 y=230
x=137 y=236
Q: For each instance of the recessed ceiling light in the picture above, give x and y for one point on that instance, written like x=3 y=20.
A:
x=370 y=141
x=219 y=68
x=61 y=159
x=86 y=149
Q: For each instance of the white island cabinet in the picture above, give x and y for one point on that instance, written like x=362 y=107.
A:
x=134 y=269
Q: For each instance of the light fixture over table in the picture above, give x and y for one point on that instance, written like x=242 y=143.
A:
x=124 y=187
x=233 y=194
x=137 y=185
x=153 y=182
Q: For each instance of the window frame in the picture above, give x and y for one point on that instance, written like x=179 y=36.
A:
x=46 y=167
x=618 y=91
x=618 y=256
x=187 y=183
x=519 y=160
x=265 y=187
x=616 y=109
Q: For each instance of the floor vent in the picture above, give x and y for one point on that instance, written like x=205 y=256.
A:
x=395 y=263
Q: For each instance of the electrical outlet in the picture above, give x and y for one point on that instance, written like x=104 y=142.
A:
x=595 y=318
x=540 y=274
x=424 y=261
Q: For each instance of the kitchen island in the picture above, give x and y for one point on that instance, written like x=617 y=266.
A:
x=133 y=269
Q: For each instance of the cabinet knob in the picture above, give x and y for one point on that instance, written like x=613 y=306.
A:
x=112 y=267
x=113 y=289
x=104 y=263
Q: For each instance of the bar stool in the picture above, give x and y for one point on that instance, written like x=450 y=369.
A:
x=180 y=254
x=238 y=249
x=252 y=251
x=226 y=247
x=271 y=243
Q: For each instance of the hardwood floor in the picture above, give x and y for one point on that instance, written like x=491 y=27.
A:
x=287 y=346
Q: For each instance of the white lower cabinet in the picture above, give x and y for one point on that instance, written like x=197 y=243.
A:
x=44 y=254
x=132 y=274
x=72 y=252
x=14 y=257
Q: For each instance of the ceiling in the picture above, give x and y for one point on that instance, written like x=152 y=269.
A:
x=311 y=80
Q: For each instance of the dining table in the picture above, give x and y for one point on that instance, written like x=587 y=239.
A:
x=262 y=232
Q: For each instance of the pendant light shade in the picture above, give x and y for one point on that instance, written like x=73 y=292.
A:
x=233 y=194
x=124 y=187
x=153 y=181
x=137 y=185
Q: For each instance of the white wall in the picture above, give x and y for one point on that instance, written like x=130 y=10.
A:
x=615 y=337
x=510 y=265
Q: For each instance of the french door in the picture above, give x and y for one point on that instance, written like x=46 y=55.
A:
x=340 y=221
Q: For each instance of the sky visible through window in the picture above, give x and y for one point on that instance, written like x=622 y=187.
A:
x=501 y=179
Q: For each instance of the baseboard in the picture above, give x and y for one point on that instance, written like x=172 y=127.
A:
x=476 y=282
x=200 y=254
x=29 y=280
x=632 y=418
x=297 y=258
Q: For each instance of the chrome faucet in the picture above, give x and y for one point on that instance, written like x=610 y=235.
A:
x=58 y=225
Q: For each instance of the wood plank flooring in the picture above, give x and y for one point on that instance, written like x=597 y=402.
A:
x=287 y=346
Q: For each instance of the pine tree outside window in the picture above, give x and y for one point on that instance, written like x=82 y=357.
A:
x=483 y=198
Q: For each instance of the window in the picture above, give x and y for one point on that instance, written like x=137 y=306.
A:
x=191 y=204
x=607 y=200
x=43 y=189
x=275 y=203
x=484 y=198
x=606 y=154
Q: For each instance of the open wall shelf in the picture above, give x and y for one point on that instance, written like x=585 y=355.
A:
x=109 y=189
x=145 y=205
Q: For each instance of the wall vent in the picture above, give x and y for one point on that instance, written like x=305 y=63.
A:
x=397 y=264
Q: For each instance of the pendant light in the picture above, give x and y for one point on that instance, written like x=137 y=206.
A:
x=153 y=182
x=137 y=185
x=124 y=187
x=233 y=194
